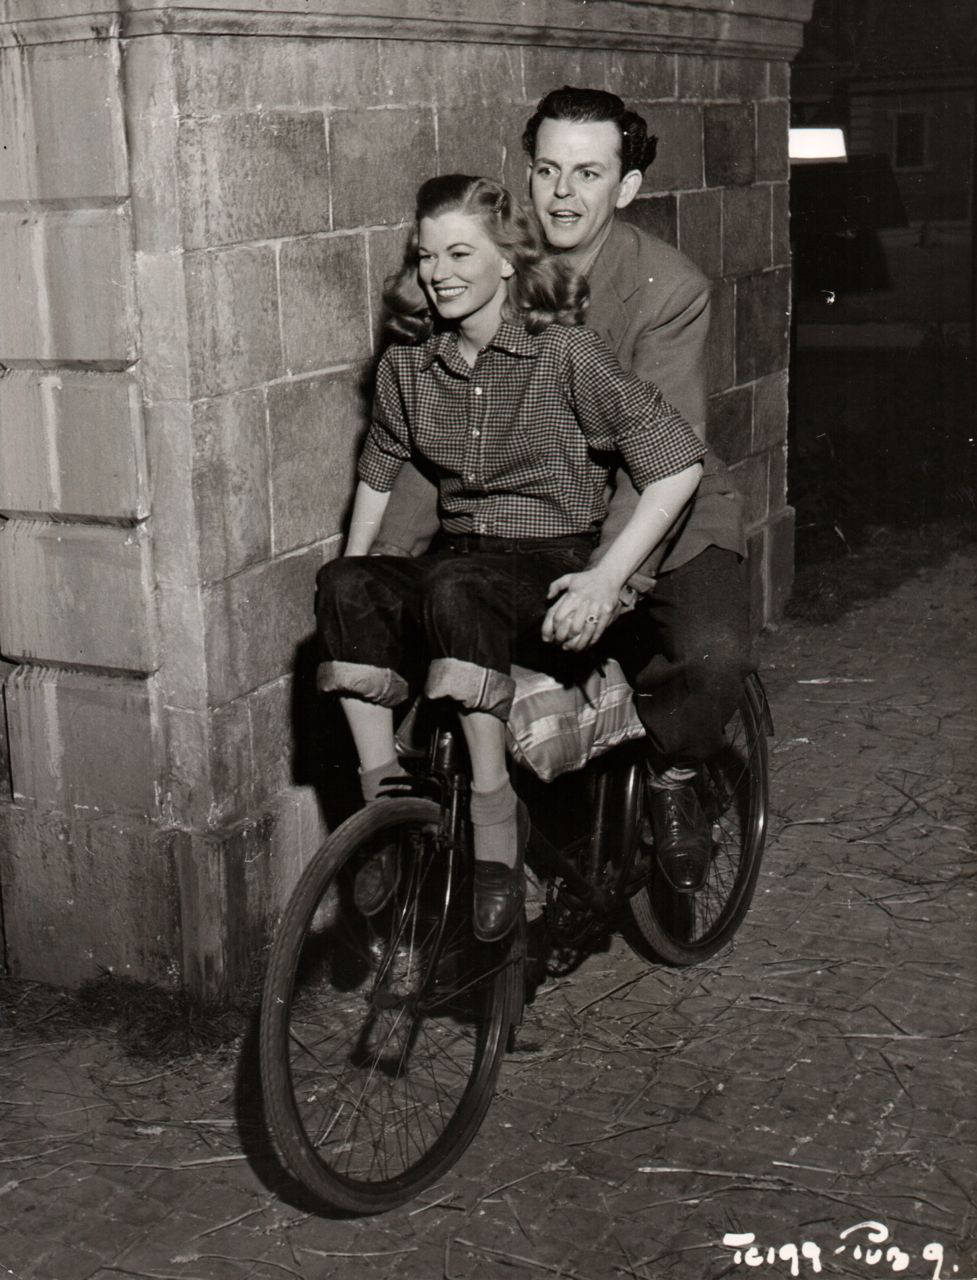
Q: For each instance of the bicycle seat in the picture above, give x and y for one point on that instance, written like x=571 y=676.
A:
x=554 y=728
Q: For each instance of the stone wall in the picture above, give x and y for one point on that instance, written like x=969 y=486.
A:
x=197 y=209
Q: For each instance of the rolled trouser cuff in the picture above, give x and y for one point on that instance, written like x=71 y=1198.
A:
x=475 y=688
x=381 y=685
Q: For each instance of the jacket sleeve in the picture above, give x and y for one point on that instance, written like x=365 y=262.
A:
x=670 y=351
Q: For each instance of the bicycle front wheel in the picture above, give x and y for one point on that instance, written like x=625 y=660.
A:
x=381 y=1039
x=682 y=929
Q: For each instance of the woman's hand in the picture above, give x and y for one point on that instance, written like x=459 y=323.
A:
x=589 y=602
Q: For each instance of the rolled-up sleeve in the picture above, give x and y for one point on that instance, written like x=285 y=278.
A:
x=387 y=444
x=617 y=411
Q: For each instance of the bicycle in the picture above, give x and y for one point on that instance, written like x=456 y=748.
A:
x=381 y=1039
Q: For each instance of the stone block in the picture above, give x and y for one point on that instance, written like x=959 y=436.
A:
x=721 y=343
x=79 y=445
x=406 y=73
x=770 y=411
x=81 y=742
x=298 y=833
x=777 y=483
x=743 y=78
x=728 y=423
x=211 y=771
x=756 y=571
x=153 y=134
x=315 y=427
x=233 y=326
x=469 y=144
x=475 y=75
x=678 y=163
x=371 y=185
x=778 y=79
x=700 y=230
x=659 y=215
x=223 y=74
x=230 y=483
x=772 y=126
x=161 y=295
x=547 y=68
x=642 y=77
x=83 y=896
x=65 y=136
x=780 y=220
x=780 y=563
x=762 y=324
x=746 y=230
x=752 y=477
x=255 y=621
x=66 y=281
x=253 y=177
x=79 y=594
x=696 y=76
x=273 y=739
x=730 y=145
x=323 y=299
x=6 y=782
x=385 y=256
x=219 y=932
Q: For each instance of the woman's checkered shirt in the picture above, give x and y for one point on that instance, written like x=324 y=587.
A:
x=517 y=440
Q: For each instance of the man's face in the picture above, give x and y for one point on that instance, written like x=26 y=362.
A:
x=576 y=183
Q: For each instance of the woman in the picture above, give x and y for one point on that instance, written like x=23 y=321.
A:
x=510 y=405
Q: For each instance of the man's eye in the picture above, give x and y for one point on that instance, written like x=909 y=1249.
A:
x=590 y=174
x=544 y=171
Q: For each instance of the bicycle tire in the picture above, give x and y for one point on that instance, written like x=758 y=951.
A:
x=684 y=929
x=381 y=1039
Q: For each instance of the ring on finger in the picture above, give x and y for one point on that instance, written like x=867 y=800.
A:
x=591 y=617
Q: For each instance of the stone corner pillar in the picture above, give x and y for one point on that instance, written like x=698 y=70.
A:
x=198 y=204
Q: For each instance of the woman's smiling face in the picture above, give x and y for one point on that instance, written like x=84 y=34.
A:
x=460 y=268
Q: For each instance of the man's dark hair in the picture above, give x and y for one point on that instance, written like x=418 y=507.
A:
x=591 y=106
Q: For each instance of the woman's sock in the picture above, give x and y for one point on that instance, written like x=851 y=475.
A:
x=495 y=824
x=371 y=779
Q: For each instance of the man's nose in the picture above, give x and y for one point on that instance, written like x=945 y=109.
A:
x=563 y=186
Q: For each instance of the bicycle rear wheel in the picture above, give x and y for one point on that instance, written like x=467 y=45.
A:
x=682 y=929
x=381 y=1039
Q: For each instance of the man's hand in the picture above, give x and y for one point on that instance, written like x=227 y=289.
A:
x=589 y=602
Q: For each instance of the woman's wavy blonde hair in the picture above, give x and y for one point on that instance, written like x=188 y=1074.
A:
x=541 y=290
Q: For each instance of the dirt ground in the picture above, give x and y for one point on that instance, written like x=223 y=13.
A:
x=809 y=1094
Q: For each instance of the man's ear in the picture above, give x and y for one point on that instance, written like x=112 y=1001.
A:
x=629 y=188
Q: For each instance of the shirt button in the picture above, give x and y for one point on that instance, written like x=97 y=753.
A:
x=475 y=432
x=478 y=391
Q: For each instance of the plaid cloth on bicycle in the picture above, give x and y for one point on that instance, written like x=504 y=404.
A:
x=517 y=439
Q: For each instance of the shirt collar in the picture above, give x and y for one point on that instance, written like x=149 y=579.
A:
x=511 y=338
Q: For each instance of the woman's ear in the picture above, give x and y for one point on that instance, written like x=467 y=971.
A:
x=508 y=270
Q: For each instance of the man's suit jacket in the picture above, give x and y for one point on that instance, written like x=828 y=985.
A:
x=651 y=306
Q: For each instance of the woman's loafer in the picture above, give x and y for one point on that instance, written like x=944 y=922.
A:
x=500 y=891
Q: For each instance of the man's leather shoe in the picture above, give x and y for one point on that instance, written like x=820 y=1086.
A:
x=500 y=891
x=683 y=840
x=375 y=882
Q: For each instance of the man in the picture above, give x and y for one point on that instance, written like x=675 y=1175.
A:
x=681 y=628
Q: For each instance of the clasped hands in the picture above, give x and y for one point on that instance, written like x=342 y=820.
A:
x=587 y=603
